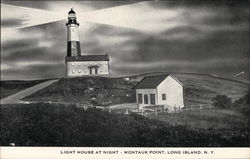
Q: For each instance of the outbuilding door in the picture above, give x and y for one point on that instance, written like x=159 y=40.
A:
x=145 y=99
x=152 y=99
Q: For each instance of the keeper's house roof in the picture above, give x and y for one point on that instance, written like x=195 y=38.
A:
x=88 y=58
x=151 y=82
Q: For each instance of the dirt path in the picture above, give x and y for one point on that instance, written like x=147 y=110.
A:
x=16 y=98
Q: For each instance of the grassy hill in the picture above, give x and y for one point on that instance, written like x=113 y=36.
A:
x=201 y=88
x=58 y=125
x=11 y=87
x=198 y=89
x=88 y=90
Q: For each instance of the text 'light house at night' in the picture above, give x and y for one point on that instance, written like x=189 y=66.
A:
x=78 y=65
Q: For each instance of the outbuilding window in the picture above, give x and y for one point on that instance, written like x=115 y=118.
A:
x=163 y=96
x=145 y=99
x=140 y=98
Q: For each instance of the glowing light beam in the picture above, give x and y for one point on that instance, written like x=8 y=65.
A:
x=28 y=16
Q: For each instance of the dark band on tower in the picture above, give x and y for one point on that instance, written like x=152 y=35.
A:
x=73 y=48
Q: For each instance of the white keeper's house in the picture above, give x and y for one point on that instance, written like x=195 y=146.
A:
x=160 y=90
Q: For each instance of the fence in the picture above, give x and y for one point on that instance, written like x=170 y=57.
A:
x=198 y=107
x=81 y=105
x=165 y=110
x=147 y=110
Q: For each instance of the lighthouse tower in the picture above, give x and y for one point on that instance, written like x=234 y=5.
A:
x=78 y=65
x=73 y=48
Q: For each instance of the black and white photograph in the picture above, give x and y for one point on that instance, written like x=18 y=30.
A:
x=125 y=73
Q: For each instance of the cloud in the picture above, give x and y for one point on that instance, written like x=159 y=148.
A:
x=64 y=6
x=38 y=71
x=29 y=16
x=140 y=37
x=12 y=22
x=33 y=49
x=182 y=66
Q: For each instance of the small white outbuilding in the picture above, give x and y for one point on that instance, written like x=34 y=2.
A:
x=160 y=90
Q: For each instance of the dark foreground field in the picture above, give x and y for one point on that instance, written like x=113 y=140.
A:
x=58 y=125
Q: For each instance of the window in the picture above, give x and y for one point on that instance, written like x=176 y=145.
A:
x=152 y=98
x=163 y=96
x=79 y=71
x=140 y=98
x=145 y=99
x=73 y=71
x=72 y=64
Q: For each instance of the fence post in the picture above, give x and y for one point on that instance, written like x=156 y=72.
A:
x=179 y=109
x=201 y=106
x=126 y=112
x=155 y=112
x=142 y=111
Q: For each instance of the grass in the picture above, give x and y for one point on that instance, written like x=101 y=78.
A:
x=198 y=89
x=8 y=88
x=58 y=125
x=201 y=88
x=215 y=120
x=89 y=90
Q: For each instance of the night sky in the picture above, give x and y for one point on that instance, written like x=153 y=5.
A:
x=170 y=36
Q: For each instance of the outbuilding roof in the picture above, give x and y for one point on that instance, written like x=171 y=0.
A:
x=150 y=82
x=88 y=58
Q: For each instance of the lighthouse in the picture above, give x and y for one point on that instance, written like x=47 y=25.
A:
x=73 y=48
x=78 y=64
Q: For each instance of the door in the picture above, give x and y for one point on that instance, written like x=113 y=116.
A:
x=152 y=99
x=93 y=70
x=145 y=99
